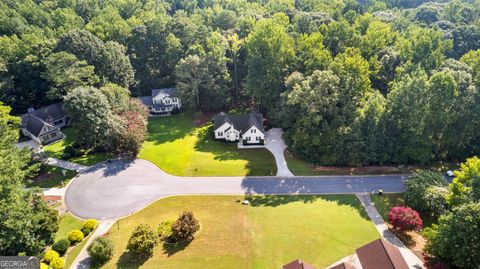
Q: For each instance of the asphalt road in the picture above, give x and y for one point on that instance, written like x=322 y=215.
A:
x=120 y=188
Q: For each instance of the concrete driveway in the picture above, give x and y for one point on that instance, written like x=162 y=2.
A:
x=275 y=144
x=119 y=188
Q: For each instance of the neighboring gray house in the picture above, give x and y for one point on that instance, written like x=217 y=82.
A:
x=162 y=101
x=43 y=125
x=247 y=128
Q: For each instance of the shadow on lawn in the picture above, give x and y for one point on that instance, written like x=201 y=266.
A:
x=277 y=200
x=223 y=151
x=171 y=248
x=169 y=129
x=129 y=261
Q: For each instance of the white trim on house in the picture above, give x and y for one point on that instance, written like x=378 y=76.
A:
x=253 y=136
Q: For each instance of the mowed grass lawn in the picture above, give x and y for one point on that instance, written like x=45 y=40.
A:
x=270 y=232
x=180 y=148
x=57 y=149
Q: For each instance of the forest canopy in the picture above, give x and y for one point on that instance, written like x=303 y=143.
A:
x=351 y=82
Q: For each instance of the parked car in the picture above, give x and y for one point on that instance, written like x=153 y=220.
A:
x=450 y=173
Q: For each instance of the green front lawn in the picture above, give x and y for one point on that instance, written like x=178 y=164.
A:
x=56 y=150
x=269 y=233
x=178 y=147
x=67 y=224
x=51 y=177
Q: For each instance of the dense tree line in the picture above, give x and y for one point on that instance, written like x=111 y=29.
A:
x=351 y=82
x=27 y=223
x=454 y=238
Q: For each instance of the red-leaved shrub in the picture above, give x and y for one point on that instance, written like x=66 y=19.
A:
x=405 y=219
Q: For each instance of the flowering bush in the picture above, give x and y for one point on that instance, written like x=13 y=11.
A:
x=57 y=263
x=405 y=219
x=50 y=256
x=90 y=224
x=75 y=236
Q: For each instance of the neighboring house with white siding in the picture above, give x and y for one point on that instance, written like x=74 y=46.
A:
x=162 y=101
x=245 y=128
x=43 y=125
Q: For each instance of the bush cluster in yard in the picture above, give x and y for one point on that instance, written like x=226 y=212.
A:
x=57 y=263
x=405 y=219
x=101 y=250
x=427 y=191
x=61 y=246
x=85 y=232
x=75 y=236
x=90 y=224
x=165 y=229
x=142 y=241
x=185 y=227
x=50 y=255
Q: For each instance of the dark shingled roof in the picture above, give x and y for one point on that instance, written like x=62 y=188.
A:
x=33 y=124
x=172 y=92
x=343 y=266
x=146 y=100
x=34 y=121
x=298 y=264
x=240 y=122
x=380 y=254
x=49 y=113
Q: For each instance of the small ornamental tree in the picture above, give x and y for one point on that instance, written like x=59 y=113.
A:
x=101 y=250
x=142 y=241
x=185 y=227
x=405 y=219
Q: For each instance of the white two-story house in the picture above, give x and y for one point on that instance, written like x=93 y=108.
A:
x=246 y=128
x=162 y=101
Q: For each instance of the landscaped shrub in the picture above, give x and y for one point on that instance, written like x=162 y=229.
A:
x=101 y=250
x=44 y=266
x=70 y=150
x=426 y=191
x=90 y=224
x=57 y=263
x=75 y=236
x=165 y=229
x=50 y=255
x=61 y=246
x=142 y=241
x=185 y=227
x=405 y=219
x=85 y=232
x=66 y=155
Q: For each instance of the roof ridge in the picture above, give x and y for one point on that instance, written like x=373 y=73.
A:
x=383 y=242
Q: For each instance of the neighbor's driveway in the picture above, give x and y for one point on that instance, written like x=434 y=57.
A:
x=275 y=144
x=119 y=188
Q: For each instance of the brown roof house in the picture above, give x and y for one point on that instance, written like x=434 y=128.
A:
x=298 y=264
x=380 y=254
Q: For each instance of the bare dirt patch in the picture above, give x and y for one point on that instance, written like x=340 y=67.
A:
x=413 y=240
